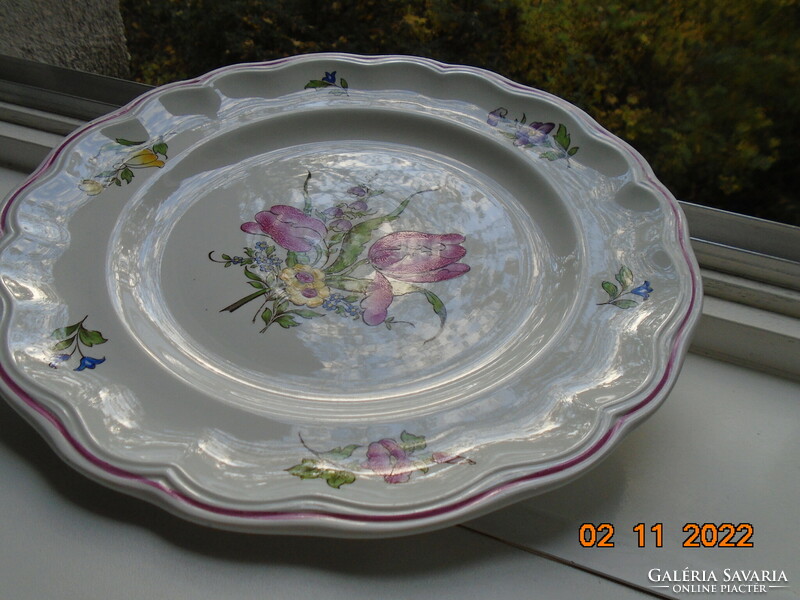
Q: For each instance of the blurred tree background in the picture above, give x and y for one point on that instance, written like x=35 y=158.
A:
x=707 y=91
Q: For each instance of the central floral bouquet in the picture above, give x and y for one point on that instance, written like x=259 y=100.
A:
x=326 y=260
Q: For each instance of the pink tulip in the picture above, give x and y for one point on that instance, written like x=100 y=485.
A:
x=418 y=257
x=377 y=300
x=389 y=460
x=289 y=227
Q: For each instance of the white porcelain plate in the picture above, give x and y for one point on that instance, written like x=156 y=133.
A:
x=341 y=295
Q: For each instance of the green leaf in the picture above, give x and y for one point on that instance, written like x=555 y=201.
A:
x=549 y=155
x=306 y=313
x=291 y=259
x=411 y=442
x=343 y=82
x=625 y=303
x=126 y=174
x=351 y=299
x=258 y=285
x=354 y=242
x=266 y=316
x=306 y=470
x=309 y=469
x=226 y=257
x=91 y=338
x=117 y=182
x=250 y=275
x=359 y=236
x=337 y=479
x=625 y=277
x=437 y=304
x=341 y=452
x=125 y=142
x=64 y=332
x=286 y=321
x=316 y=83
x=161 y=149
x=335 y=238
x=610 y=289
x=562 y=137
x=421 y=466
x=572 y=151
x=349 y=284
x=63 y=344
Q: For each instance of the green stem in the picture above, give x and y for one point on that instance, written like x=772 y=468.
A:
x=348 y=284
x=307 y=199
x=261 y=308
x=353 y=267
x=78 y=337
x=614 y=299
x=240 y=303
x=398 y=211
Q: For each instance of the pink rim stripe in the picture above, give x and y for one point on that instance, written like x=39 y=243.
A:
x=601 y=445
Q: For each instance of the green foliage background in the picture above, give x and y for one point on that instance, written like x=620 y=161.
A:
x=707 y=91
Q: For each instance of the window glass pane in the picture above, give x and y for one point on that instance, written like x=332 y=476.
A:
x=706 y=91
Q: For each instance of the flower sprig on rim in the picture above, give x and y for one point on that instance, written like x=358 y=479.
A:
x=536 y=134
x=329 y=81
x=395 y=460
x=615 y=292
x=72 y=338
x=148 y=156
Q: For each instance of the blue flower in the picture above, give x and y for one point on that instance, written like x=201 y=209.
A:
x=643 y=290
x=58 y=359
x=497 y=115
x=261 y=245
x=329 y=77
x=533 y=134
x=87 y=362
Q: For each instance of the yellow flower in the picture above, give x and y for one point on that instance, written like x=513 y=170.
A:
x=305 y=286
x=91 y=187
x=144 y=158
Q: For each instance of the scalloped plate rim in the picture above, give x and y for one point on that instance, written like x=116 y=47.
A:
x=333 y=523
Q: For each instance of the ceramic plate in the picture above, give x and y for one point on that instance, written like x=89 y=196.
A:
x=341 y=295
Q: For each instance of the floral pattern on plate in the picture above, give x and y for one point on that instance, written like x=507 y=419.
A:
x=329 y=81
x=73 y=338
x=395 y=460
x=134 y=155
x=615 y=292
x=326 y=260
x=552 y=146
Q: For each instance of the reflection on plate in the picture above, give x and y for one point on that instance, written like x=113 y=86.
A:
x=341 y=295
